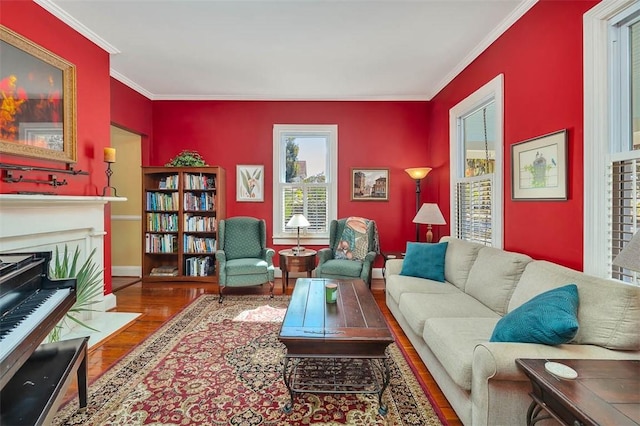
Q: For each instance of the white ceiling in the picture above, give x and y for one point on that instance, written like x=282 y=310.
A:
x=289 y=49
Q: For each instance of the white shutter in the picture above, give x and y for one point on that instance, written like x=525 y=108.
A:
x=473 y=205
x=623 y=209
x=309 y=199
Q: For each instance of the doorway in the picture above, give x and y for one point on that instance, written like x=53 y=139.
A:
x=126 y=219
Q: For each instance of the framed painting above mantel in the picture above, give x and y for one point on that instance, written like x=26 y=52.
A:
x=37 y=101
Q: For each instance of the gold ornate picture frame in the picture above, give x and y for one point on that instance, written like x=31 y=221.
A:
x=37 y=101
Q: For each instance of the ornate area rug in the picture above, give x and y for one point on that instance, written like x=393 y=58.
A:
x=221 y=364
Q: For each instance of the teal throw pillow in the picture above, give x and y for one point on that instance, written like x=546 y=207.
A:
x=425 y=260
x=550 y=318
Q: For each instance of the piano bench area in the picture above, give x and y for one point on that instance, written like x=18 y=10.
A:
x=34 y=393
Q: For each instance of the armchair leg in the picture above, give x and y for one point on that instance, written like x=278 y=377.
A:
x=271 y=285
x=220 y=293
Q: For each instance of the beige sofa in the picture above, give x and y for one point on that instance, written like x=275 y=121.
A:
x=450 y=325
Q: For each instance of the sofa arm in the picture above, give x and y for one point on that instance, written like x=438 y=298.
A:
x=324 y=255
x=268 y=254
x=221 y=257
x=392 y=267
x=494 y=360
x=496 y=378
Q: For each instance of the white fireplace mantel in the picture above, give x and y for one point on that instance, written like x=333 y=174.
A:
x=41 y=222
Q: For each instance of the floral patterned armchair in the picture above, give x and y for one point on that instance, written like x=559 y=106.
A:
x=353 y=247
x=242 y=256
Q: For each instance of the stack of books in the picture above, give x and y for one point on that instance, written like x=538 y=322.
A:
x=164 y=271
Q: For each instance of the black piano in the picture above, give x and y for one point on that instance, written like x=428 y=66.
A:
x=35 y=376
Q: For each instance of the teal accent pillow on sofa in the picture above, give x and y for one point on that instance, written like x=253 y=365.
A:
x=550 y=318
x=425 y=260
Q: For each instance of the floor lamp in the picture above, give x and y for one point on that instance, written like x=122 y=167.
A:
x=418 y=173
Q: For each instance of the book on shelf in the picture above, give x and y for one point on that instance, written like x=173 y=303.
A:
x=164 y=271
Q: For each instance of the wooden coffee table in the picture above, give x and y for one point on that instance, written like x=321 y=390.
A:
x=606 y=392
x=335 y=348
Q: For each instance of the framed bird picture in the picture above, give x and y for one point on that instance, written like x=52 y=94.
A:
x=539 y=168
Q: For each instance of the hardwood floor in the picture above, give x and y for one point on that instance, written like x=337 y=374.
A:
x=159 y=302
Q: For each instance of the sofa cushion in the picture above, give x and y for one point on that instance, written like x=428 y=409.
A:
x=609 y=311
x=396 y=285
x=458 y=260
x=494 y=276
x=453 y=340
x=418 y=307
x=549 y=318
x=424 y=260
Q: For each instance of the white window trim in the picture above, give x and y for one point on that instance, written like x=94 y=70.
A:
x=493 y=89
x=332 y=131
x=597 y=132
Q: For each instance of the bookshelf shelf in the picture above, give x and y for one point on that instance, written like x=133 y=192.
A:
x=182 y=208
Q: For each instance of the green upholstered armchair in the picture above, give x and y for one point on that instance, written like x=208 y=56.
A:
x=337 y=262
x=242 y=256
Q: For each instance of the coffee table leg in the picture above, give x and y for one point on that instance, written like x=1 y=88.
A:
x=287 y=377
x=382 y=407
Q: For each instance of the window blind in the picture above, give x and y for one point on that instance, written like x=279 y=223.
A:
x=309 y=199
x=623 y=210
x=473 y=206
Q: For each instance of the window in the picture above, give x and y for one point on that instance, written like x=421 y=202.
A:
x=612 y=143
x=304 y=180
x=476 y=166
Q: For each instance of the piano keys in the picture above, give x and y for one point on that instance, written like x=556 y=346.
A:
x=25 y=324
x=31 y=305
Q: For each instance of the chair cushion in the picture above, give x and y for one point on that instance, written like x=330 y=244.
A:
x=354 y=241
x=341 y=267
x=246 y=266
x=550 y=318
x=425 y=260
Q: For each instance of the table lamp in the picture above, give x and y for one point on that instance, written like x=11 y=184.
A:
x=298 y=221
x=429 y=214
x=629 y=257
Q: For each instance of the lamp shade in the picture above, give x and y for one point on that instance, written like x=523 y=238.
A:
x=298 y=221
x=418 y=172
x=430 y=214
x=629 y=257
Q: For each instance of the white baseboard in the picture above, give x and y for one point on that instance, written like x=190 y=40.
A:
x=126 y=271
x=109 y=301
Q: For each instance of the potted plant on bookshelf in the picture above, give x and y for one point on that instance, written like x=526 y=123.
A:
x=187 y=158
x=88 y=286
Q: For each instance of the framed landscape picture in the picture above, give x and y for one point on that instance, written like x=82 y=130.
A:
x=369 y=184
x=249 y=183
x=38 y=102
x=539 y=168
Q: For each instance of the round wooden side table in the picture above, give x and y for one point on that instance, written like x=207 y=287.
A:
x=305 y=261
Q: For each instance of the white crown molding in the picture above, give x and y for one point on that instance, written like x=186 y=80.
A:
x=381 y=98
x=76 y=25
x=132 y=84
x=484 y=44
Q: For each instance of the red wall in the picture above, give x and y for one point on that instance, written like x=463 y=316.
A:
x=370 y=134
x=133 y=112
x=541 y=59
x=93 y=92
x=93 y=98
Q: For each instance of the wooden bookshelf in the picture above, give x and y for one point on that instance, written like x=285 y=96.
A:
x=181 y=210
